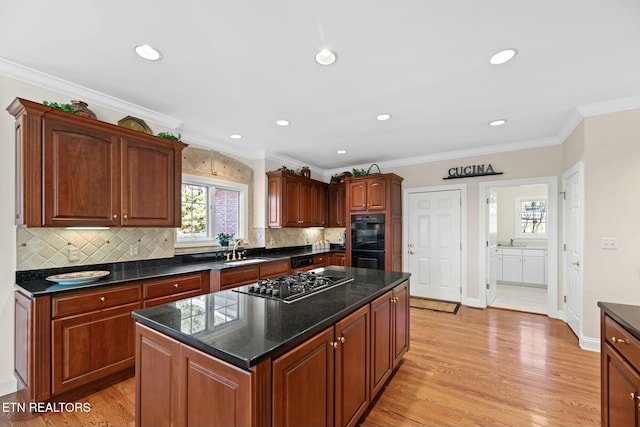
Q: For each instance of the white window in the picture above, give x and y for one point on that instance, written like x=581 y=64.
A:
x=531 y=216
x=210 y=207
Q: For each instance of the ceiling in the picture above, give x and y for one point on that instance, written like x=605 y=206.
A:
x=235 y=67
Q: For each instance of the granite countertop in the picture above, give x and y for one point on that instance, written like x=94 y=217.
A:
x=245 y=329
x=626 y=315
x=40 y=286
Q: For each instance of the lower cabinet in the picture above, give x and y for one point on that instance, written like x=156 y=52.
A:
x=620 y=370
x=336 y=258
x=228 y=278
x=336 y=359
x=389 y=334
x=177 y=385
x=517 y=265
x=85 y=337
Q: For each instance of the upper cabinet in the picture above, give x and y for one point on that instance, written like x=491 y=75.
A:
x=337 y=208
x=295 y=201
x=377 y=194
x=76 y=171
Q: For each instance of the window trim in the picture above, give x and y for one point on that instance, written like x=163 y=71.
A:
x=243 y=209
x=518 y=222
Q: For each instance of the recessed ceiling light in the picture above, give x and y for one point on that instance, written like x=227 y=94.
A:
x=147 y=52
x=235 y=136
x=342 y=151
x=326 y=57
x=282 y=122
x=383 y=117
x=498 y=122
x=503 y=56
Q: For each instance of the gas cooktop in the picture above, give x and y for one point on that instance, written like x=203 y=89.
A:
x=295 y=287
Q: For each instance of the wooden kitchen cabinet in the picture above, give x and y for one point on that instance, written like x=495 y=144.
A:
x=92 y=335
x=337 y=205
x=378 y=194
x=228 y=278
x=295 y=201
x=336 y=258
x=77 y=171
x=620 y=371
x=389 y=334
x=77 y=340
x=336 y=357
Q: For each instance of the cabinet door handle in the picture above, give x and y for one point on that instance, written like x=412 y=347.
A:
x=102 y=299
x=115 y=216
x=342 y=339
x=125 y=216
x=334 y=344
x=632 y=396
x=175 y=285
x=619 y=340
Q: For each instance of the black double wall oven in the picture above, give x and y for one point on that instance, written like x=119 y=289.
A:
x=367 y=241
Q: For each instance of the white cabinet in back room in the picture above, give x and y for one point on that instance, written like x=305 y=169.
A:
x=522 y=266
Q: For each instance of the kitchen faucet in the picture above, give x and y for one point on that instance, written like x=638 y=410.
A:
x=235 y=245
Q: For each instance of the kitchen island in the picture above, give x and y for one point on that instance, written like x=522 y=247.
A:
x=232 y=358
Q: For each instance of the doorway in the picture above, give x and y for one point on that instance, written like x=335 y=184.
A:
x=434 y=236
x=518 y=235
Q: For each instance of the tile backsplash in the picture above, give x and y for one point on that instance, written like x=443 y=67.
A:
x=39 y=248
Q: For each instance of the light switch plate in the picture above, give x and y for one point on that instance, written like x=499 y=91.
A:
x=609 y=243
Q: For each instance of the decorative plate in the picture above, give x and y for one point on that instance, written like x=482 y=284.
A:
x=78 y=278
x=136 y=124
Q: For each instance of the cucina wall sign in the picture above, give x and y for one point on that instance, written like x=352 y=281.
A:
x=469 y=171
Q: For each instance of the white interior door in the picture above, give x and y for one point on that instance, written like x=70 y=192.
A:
x=572 y=187
x=492 y=246
x=434 y=244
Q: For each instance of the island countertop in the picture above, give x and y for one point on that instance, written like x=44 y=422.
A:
x=245 y=329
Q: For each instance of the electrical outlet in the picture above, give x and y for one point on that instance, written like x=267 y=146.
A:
x=74 y=254
x=609 y=243
x=133 y=250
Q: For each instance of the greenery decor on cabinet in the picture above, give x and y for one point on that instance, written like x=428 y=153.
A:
x=62 y=107
x=170 y=136
x=359 y=172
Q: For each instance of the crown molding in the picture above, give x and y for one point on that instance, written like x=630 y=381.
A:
x=575 y=118
x=450 y=155
x=29 y=75
x=611 y=106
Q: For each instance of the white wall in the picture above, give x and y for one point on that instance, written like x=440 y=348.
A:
x=507 y=212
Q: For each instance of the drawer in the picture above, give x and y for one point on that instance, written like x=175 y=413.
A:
x=170 y=298
x=533 y=252
x=95 y=299
x=275 y=269
x=172 y=285
x=620 y=339
x=320 y=259
x=512 y=252
x=239 y=276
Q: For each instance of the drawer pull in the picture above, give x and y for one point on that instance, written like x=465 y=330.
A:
x=102 y=299
x=175 y=285
x=619 y=340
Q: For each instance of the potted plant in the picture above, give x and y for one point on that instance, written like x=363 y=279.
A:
x=224 y=238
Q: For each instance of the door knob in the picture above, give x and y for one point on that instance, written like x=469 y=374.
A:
x=411 y=252
x=410 y=245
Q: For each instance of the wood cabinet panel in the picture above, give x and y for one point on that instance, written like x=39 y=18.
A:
x=237 y=276
x=400 y=322
x=209 y=383
x=352 y=367
x=336 y=258
x=376 y=194
x=170 y=298
x=337 y=206
x=83 y=301
x=275 y=269
x=90 y=346
x=621 y=407
x=358 y=196
x=295 y=201
x=305 y=374
x=157 y=379
x=148 y=192
x=80 y=176
x=381 y=359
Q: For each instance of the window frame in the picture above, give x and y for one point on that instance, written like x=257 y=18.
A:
x=212 y=184
x=518 y=220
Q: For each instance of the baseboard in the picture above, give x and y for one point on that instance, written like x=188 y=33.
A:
x=591 y=344
x=8 y=385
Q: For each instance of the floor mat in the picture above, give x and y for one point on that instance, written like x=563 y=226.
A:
x=435 y=305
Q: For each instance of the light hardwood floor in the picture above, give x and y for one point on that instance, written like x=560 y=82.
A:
x=479 y=367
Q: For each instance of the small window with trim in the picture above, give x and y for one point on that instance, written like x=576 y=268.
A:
x=531 y=216
x=211 y=207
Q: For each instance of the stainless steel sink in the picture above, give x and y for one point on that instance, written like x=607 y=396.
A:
x=245 y=262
